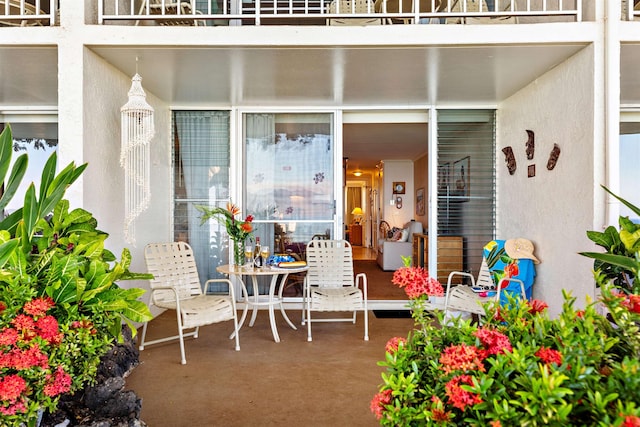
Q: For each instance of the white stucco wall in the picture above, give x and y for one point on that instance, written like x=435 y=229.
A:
x=394 y=171
x=555 y=208
x=105 y=91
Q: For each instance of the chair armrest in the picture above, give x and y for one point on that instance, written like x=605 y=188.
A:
x=362 y=277
x=231 y=291
x=510 y=279
x=450 y=278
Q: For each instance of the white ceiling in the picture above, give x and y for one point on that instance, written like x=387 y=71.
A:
x=359 y=77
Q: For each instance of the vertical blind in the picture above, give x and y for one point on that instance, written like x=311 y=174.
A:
x=466 y=188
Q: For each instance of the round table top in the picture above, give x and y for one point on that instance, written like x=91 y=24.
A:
x=265 y=271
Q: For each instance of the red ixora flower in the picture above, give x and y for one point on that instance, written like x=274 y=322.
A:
x=494 y=342
x=58 y=383
x=8 y=336
x=438 y=413
x=549 y=355
x=393 y=344
x=417 y=282
x=632 y=303
x=462 y=357
x=631 y=421
x=379 y=401
x=458 y=397
x=47 y=328
x=11 y=387
x=38 y=306
x=536 y=306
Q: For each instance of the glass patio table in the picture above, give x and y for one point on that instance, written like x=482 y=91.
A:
x=270 y=300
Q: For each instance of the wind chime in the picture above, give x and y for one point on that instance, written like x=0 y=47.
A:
x=136 y=133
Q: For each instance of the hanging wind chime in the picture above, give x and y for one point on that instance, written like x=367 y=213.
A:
x=136 y=133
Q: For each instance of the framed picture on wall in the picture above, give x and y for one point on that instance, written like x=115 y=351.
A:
x=443 y=177
x=461 y=182
x=420 y=202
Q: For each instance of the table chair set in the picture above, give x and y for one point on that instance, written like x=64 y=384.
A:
x=329 y=286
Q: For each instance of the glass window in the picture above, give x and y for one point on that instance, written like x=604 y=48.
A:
x=289 y=179
x=38 y=141
x=629 y=171
x=466 y=188
x=201 y=164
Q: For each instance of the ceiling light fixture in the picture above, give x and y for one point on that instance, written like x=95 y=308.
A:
x=357 y=173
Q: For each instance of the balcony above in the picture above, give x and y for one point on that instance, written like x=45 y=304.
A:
x=337 y=12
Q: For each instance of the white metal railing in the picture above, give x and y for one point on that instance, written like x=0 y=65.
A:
x=318 y=12
x=23 y=13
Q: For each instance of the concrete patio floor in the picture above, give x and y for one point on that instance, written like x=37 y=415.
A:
x=327 y=382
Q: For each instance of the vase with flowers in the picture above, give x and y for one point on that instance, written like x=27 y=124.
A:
x=238 y=230
x=60 y=305
x=519 y=367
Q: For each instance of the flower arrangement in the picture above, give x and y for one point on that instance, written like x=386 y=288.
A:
x=60 y=306
x=237 y=229
x=519 y=367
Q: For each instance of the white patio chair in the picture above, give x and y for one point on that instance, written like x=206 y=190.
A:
x=353 y=7
x=463 y=298
x=176 y=286
x=172 y=8
x=330 y=285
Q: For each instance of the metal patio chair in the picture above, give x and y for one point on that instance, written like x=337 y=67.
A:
x=176 y=286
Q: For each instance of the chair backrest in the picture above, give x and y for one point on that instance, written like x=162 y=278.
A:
x=172 y=264
x=351 y=7
x=330 y=263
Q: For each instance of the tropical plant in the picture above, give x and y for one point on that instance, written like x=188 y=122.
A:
x=519 y=367
x=60 y=305
x=237 y=229
x=619 y=264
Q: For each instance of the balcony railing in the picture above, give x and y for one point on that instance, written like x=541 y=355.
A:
x=23 y=13
x=332 y=12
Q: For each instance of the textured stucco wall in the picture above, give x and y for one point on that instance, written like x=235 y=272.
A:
x=555 y=208
x=105 y=91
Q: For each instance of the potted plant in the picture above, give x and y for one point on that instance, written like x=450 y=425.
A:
x=519 y=367
x=60 y=306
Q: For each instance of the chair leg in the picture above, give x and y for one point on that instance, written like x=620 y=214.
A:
x=366 y=324
x=143 y=336
x=183 y=359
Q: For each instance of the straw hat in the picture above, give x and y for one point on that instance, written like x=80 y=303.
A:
x=520 y=249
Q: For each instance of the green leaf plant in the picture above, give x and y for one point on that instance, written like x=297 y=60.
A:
x=61 y=307
x=619 y=264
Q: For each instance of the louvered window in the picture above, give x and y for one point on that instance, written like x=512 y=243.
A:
x=466 y=188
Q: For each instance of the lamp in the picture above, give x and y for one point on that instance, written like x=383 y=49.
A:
x=357 y=173
x=137 y=130
x=357 y=215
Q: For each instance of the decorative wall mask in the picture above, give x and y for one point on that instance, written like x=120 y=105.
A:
x=530 y=144
x=553 y=157
x=510 y=158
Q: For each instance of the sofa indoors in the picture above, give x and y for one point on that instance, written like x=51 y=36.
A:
x=392 y=249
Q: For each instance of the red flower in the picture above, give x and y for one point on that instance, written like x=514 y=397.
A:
x=11 y=387
x=536 y=306
x=379 y=401
x=13 y=409
x=580 y=314
x=631 y=421
x=417 y=282
x=47 y=328
x=494 y=341
x=393 y=344
x=462 y=357
x=58 y=383
x=549 y=355
x=249 y=218
x=38 y=306
x=632 y=303
x=3 y=306
x=511 y=270
x=23 y=322
x=8 y=336
x=24 y=359
x=458 y=397
x=246 y=227
x=438 y=413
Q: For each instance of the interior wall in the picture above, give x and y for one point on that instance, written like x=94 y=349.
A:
x=105 y=91
x=398 y=171
x=553 y=209
x=421 y=181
